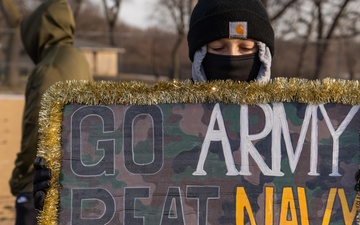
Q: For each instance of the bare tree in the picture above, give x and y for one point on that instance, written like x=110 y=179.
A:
x=76 y=6
x=112 y=11
x=324 y=36
x=315 y=21
x=179 y=11
x=309 y=29
x=12 y=17
x=282 y=8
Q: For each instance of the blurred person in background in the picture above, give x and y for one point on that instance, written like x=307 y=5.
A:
x=47 y=35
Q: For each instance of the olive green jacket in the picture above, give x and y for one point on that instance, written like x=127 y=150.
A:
x=48 y=36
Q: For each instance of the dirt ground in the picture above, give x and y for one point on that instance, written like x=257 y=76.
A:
x=11 y=108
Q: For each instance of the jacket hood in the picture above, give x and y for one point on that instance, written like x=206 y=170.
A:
x=52 y=23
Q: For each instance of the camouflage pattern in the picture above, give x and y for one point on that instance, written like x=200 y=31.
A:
x=146 y=176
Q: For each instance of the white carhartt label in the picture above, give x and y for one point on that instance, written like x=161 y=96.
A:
x=238 y=30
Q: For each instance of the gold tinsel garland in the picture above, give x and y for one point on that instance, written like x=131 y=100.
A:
x=107 y=93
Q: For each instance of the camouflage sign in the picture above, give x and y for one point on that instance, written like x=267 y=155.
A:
x=209 y=163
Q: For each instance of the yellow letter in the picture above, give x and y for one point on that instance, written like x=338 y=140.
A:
x=329 y=206
x=287 y=202
x=303 y=206
x=269 y=205
x=242 y=203
x=349 y=217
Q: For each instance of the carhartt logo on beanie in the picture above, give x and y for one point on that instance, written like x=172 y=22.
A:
x=215 y=19
x=238 y=30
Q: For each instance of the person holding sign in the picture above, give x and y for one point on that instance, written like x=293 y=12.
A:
x=48 y=36
x=230 y=39
x=227 y=39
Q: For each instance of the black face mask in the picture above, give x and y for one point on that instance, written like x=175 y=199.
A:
x=224 y=67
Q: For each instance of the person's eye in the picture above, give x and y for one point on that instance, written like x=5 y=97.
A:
x=217 y=48
x=247 y=48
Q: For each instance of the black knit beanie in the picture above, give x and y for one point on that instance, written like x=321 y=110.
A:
x=215 y=19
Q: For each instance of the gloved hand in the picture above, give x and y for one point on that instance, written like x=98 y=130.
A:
x=41 y=184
